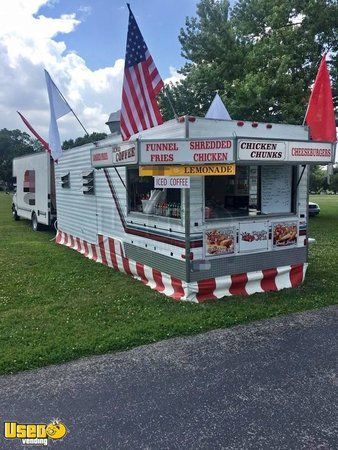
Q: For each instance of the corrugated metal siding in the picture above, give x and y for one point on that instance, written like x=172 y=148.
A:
x=109 y=222
x=250 y=262
x=76 y=211
x=302 y=192
x=156 y=260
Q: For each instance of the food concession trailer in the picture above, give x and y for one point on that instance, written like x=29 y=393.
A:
x=194 y=208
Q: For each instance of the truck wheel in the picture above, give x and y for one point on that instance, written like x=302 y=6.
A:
x=15 y=214
x=35 y=223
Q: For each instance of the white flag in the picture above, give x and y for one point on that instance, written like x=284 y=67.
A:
x=217 y=110
x=58 y=108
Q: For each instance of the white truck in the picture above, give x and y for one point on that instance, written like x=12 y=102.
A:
x=34 y=197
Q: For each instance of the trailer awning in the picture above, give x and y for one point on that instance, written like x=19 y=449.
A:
x=208 y=151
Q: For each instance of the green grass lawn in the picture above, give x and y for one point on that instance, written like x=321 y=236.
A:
x=56 y=305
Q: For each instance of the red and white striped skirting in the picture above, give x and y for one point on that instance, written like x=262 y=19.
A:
x=110 y=252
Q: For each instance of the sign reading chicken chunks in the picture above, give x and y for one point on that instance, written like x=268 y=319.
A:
x=220 y=241
x=284 y=234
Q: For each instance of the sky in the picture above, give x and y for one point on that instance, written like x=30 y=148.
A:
x=82 y=45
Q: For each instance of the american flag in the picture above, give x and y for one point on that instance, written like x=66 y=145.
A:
x=141 y=84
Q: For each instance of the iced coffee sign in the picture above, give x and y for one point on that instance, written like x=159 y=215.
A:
x=193 y=151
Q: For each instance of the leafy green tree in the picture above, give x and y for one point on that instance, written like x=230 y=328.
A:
x=94 y=137
x=261 y=57
x=13 y=143
x=317 y=176
x=334 y=183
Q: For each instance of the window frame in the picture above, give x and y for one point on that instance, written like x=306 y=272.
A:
x=140 y=215
x=294 y=200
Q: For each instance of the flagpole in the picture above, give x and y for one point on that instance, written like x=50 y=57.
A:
x=166 y=92
x=62 y=96
x=76 y=117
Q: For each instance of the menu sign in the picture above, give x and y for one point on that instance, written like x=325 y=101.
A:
x=276 y=189
x=315 y=152
x=264 y=150
x=125 y=153
x=102 y=157
x=114 y=155
x=211 y=169
x=220 y=241
x=192 y=151
x=284 y=234
x=253 y=236
x=291 y=151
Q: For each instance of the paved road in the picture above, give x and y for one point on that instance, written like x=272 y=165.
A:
x=269 y=385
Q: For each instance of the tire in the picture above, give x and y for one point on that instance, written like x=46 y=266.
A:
x=15 y=214
x=35 y=223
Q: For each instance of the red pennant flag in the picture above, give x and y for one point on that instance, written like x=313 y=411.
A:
x=320 y=113
x=31 y=129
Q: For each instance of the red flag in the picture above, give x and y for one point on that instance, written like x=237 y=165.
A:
x=141 y=84
x=320 y=113
x=38 y=137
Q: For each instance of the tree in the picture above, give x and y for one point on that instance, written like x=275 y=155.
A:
x=334 y=183
x=317 y=177
x=13 y=143
x=262 y=57
x=94 y=137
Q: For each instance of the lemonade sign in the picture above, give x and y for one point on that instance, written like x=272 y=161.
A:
x=35 y=433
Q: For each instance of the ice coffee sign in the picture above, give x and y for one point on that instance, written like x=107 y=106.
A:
x=194 y=151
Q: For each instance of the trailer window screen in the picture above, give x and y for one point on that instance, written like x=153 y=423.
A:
x=143 y=198
x=254 y=190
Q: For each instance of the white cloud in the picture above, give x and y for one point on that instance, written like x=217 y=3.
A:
x=27 y=46
x=175 y=77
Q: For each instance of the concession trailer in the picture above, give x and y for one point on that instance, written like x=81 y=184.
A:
x=194 y=208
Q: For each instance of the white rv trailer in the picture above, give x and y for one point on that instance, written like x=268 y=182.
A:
x=34 y=197
x=237 y=224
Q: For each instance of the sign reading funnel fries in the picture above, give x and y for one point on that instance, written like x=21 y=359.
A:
x=192 y=151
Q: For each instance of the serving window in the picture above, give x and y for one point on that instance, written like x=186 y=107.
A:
x=143 y=198
x=254 y=190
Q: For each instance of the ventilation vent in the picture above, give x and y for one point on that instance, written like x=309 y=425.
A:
x=88 y=183
x=65 y=181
